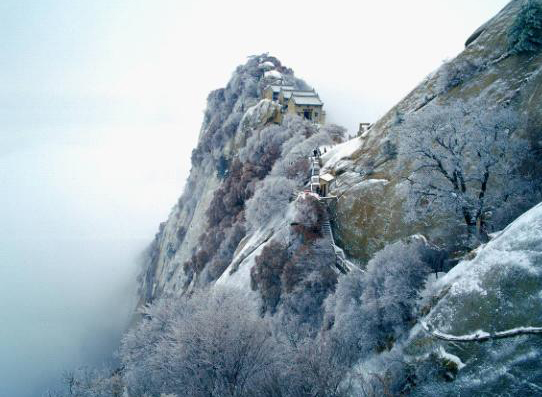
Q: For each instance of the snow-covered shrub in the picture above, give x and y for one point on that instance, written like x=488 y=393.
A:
x=388 y=150
x=525 y=35
x=91 y=382
x=467 y=165
x=398 y=117
x=393 y=279
x=308 y=211
x=371 y=310
x=231 y=124
x=316 y=371
x=308 y=279
x=294 y=163
x=270 y=201
x=266 y=274
x=263 y=147
x=344 y=318
x=297 y=272
x=456 y=72
x=336 y=132
x=222 y=165
x=224 y=255
x=307 y=216
x=210 y=344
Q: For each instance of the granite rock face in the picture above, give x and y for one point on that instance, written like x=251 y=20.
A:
x=499 y=290
x=496 y=288
x=370 y=216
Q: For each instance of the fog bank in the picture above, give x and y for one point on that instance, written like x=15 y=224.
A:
x=100 y=106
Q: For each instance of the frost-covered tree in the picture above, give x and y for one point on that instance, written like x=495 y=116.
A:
x=393 y=279
x=294 y=163
x=88 y=382
x=525 y=35
x=317 y=371
x=269 y=201
x=212 y=344
x=466 y=163
x=456 y=72
x=336 y=132
x=370 y=310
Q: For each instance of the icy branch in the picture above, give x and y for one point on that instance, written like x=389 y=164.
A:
x=482 y=336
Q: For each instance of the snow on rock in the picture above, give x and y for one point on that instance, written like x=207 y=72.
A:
x=486 y=312
x=450 y=357
x=474 y=336
x=238 y=272
x=339 y=152
x=256 y=116
x=267 y=65
x=273 y=74
x=517 y=248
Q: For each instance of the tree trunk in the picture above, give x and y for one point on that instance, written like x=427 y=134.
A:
x=480 y=230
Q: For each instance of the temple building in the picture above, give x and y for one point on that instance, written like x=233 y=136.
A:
x=307 y=105
x=304 y=103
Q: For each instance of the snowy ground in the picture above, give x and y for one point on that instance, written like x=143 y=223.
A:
x=339 y=152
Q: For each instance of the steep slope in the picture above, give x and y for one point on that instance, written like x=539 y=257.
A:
x=207 y=238
x=499 y=290
x=372 y=178
x=240 y=196
x=349 y=292
x=231 y=114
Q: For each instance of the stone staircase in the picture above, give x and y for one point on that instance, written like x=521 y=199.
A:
x=341 y=263
x=326 y=229
x=340 y=260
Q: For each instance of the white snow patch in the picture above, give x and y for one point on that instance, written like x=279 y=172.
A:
x=418 y=236
x=266 y=65
x=244 y=259
x=467 y=285
x=365 y=133
x=369 y=182
x=373 y=181
x=453 y=358
x=339 y=152
x=273 y=74
x=241 y=277
x=516 y=246
x=469 y=337
x=304 y=194
x=519 y=330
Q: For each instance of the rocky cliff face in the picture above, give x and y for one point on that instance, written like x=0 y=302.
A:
x=241 y=222
x=206 y=232
x=498 y=292
x=370 y=177
x=372 y=180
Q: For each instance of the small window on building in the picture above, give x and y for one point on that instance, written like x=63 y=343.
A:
x=315 y=114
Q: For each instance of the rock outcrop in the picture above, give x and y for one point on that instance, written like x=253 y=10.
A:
x=370 y=215
x=176 y=261
x=497 y=292
x=208 y=241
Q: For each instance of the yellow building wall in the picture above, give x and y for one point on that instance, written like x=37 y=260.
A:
x=281 y=98
x=268 y=93
x=298 y=110
x=278 y=117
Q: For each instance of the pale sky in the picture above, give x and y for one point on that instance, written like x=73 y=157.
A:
x=100 y=106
